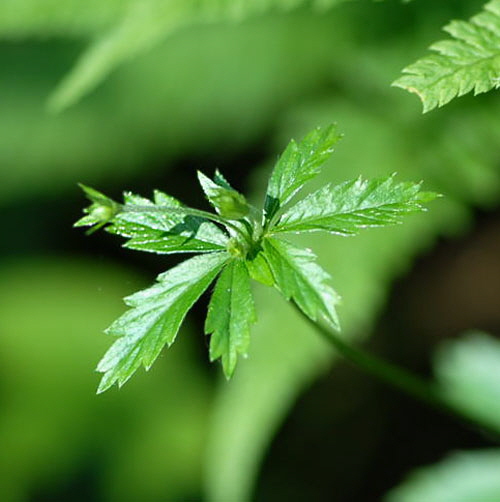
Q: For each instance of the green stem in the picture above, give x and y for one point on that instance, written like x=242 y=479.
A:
x=398 y=378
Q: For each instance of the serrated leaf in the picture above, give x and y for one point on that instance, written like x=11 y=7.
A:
x=259 y=270
x=346 y=208
x=158 y=231
x=300 y=278
x=470 y=61
x=298 y=164
x=462 y=477
x=468 y=374
x=155 y=317
x=228 y=202
x=221 y=180
x=230 y=313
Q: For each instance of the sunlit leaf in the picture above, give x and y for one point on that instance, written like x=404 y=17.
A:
x=346 y=208
x=469 y=61
x=230 y=313
x=155 y=317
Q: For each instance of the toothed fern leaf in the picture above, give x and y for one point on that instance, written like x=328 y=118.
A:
x=468 y=62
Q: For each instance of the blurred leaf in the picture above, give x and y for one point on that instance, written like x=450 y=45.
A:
x=468 y=374
x=45 y=18
x=270 y=61
x=470 y=61
x=47 y=387
x=462 y=477
x=144 y=24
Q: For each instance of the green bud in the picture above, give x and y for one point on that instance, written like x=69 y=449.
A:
x=236 y=248
x=101 y=211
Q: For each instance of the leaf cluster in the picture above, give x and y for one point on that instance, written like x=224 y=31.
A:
x=236 y=244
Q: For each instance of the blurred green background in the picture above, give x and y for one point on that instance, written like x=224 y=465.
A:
x=136 y=95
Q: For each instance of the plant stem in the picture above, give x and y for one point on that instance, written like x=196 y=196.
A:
x=399 y=378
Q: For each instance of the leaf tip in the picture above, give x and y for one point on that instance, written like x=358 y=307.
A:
x=104 y=385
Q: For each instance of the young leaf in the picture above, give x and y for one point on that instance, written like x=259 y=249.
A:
x=344 y=209
x=227 y=202
x=298 y=164
x=230 y=313
x=155 y=317
x=259 y=270
x=300 y=278
x=470 y=61
x=159 y=231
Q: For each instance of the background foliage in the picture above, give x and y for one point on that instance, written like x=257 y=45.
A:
x=148 y=92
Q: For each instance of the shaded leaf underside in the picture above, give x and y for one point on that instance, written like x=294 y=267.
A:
x=158 y=231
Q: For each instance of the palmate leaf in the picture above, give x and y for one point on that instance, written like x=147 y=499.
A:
x=230 y=313
x=346 y=208
x=301 y=279
x=158 y=231
x=298 y=164
x=155 y=317
x=470 y=61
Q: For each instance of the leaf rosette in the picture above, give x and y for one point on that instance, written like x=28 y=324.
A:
x=236 y=244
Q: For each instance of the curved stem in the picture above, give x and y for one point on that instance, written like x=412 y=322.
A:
x=398 y=378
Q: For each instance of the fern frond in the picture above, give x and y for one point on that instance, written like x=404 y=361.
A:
x=469 y=61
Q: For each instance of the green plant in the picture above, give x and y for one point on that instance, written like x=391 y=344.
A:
x=238 y=243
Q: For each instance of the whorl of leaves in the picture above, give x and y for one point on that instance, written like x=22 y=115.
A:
x=238 y=243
